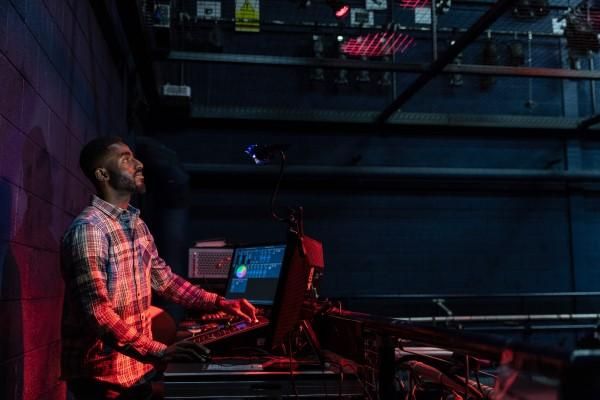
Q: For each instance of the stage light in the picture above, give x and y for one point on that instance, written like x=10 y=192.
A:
x=264 y=154
x=342 y=75
x=386 y=76
x=489 y=57
x=456 y=80
x=317 y=74
x=581 y=37
x=516 y=53
x=339 y=7
x=363 y=75
x=443 y=6
x=527 y=9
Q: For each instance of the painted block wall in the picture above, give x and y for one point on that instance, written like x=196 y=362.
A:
x=58 y=89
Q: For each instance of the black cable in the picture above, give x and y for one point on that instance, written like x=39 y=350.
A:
x=276 y=189
x=292 y=378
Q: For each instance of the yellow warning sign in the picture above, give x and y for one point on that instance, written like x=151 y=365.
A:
x=247 y=15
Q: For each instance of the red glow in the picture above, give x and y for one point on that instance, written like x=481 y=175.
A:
x=414 y=3
x=377 y=44
x=594 y=16
x=342 y=11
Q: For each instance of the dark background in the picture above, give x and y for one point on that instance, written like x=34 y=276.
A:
x=486 y=196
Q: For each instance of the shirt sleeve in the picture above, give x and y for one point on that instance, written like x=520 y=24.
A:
x=87 y=248
x=172 y=286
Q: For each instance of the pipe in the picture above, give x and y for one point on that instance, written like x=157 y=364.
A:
x=311 y=62
x=539 y=359
x=393 y=173
x=468 y=295
x=509 y=317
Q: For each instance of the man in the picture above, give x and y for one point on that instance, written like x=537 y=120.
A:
x=110 y=265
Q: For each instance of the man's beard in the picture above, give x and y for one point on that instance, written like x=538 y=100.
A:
x=125 y=183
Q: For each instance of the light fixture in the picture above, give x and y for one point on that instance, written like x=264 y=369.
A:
x=581 y=37
x=263 y=155
x=456 y=79
x=489 y=56
x=340 y=8
x=527 y=9
x=317 y=74
x=363 y=75
x=443 y=6
x=386 y=76
x=342 y=75
x=516 y=53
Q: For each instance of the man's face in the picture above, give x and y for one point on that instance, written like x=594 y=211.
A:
x=125 y=171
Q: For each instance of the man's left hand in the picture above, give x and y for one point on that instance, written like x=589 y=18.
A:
x=239 y=307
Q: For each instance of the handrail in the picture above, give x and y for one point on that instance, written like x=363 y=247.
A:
x=548 y=361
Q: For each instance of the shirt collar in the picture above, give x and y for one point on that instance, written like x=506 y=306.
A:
x=112 y=210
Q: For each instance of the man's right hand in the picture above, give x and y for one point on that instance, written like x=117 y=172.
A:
x=186 y=351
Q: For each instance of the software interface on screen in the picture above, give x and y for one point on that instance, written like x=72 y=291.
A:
x=255 y=273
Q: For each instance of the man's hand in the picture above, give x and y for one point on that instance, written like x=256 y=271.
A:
x=186 y=351
x=238 y=307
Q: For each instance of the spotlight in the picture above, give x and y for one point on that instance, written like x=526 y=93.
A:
x=527 y=9
x=386 y=76
x=363 y=75
x=581 y=37
x=342 y=76
x=489 y=57
x=516 y=54
x=317 y=74
x=456 y=80
x=443 y=6
x=216 y=38
x=339 y=7
x=264 y=154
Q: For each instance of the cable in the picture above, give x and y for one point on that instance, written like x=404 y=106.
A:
x=292 y=378
x=276 y=189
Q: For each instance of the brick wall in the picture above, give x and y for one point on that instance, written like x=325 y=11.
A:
x=58 y=89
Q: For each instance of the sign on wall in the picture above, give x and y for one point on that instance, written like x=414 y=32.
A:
x=247 y=15
x=208 y=9
x=376 y=4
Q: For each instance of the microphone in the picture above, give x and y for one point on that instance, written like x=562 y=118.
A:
x=264 y=153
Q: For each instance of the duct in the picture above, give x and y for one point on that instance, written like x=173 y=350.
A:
x=309 y=62
x=399 y=173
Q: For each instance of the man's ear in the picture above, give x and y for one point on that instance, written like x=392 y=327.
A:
x=101 y=174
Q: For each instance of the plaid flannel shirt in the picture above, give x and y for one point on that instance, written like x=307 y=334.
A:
x=110 y=264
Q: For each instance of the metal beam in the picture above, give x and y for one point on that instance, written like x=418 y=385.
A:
x=394 y=173
x=137 y=41
x=308 y=62
x=278 y=61
x=318 y=117
x=589 y=122
x=437 y=66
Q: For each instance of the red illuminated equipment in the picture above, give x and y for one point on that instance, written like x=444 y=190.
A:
x=340 y=8
x=414 y=3
x=377 y=44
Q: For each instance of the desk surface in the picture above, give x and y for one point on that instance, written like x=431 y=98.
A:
x=235 y=378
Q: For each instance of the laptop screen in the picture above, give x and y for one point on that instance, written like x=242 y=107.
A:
x=255 y=273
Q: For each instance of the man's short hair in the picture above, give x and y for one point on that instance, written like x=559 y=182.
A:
x=93 y=153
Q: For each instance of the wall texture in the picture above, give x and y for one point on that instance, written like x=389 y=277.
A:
x=58 y=88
